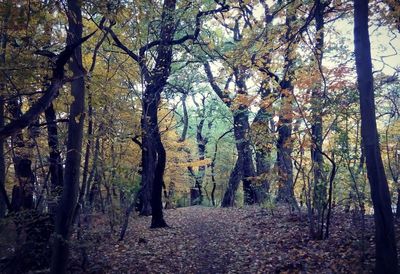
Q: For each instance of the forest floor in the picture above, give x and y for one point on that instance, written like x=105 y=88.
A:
x=230 y=240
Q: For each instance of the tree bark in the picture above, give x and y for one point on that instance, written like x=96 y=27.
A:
x=285 y=142
x=261 y=139
x=66 y=207
x=244 y=167
x=3 y=195
x=185 y=118
x=153 y=150
x=386 y=253
x=3 y=46
x=320 y=187
x=56 y=168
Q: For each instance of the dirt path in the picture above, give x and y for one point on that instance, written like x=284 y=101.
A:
x=209 y=240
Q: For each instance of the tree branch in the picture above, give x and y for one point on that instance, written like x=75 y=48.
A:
x=49 y=95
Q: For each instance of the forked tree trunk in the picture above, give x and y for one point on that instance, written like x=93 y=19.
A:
x=152 y=147
x=385 y=243
x=244 y=168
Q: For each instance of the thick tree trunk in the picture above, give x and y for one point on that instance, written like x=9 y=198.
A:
x=157 y=219
x=261 y=136
x=263 y=167
x=386 y=253
x=153 y=152
x=66 y=207
x=233 y=184
x=241 y=129
x=153 y=155
x=149 y=152
x=149 y=157
x=284 y=159
x=285 y=142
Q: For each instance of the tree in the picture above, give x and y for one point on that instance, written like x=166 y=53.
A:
x=386 y=252
x=68 y=201
x=155 y=78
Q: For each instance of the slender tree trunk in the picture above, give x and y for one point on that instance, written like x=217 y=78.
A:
x=3 y=45
x=320 y=189
x=398 y=204
x=386 y=253
x=56 y=168
x=85 y=172
x=185 y=118
x=66 y=208
x=3 y=195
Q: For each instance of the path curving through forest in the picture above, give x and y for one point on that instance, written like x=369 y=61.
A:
x=227 y=240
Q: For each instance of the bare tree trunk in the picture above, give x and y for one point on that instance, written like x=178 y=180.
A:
x=233 y=184
x=185 y=118
x=261 y=140
x=3 y=195
x=285 y=142
x=3 y=45
x=66 y=208
x=320 y=187
x=386 y=253
x=56 y=168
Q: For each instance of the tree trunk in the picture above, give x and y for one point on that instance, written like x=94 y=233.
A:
x=386 y=253
x=3 y=45
x=3 y=195
x=149 y=157
x=285 y=142
x=398 y=204
x=153 y=155
x=56 y=168
x=22 y=193
x=244 y=163
x=185 y=118
x=66 y=207
x=261 y=136
x=233 y=184
x=320 y=187
x=153 y=152
x=263 y=167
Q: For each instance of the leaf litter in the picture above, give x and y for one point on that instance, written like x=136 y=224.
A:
x=229 y=240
